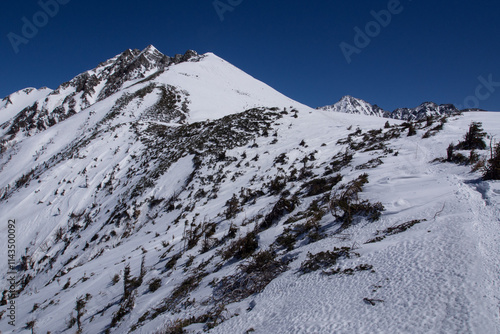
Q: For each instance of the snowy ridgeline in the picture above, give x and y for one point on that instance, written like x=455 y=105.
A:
x=181 y=202
x=352 y=105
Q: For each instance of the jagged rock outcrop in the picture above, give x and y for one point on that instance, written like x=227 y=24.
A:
x=90 y=87
x=424 y=110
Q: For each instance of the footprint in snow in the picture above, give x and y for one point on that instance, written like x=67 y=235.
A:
x=401 y=203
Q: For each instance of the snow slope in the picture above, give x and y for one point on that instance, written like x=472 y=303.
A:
x=11 y=105
x=128 y=182
x=440 y=277
x=227 y=88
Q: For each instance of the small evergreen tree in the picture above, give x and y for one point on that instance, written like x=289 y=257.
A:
x=126 y=282
x=387 y=125
x=492 y=169
x=233 y=206
x=473 y=157
x=31 y=325
x=81 y=302
x=143 y=270
x=429 y=120
x=411 y=130
x=154 y=284
x=449 y=152
x=473 y=139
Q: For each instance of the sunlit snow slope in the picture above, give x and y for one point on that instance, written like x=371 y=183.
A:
x=215 y=192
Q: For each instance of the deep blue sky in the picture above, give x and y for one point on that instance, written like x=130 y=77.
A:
x=431 y=50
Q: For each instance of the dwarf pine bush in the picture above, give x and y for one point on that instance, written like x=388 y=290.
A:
x=473 y=139
x=492 y=168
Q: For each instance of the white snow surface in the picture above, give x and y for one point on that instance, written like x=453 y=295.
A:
x=228 y=88
x=11 y=105
x=440 y=276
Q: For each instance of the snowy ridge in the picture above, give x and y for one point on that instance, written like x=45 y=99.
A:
x=352 y=105
x=195 y=78
x=11 y=105
x=90 y=87
x=426 y=109
x=195 y=196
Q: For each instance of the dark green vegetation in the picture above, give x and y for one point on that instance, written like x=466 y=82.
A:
x=492 y=168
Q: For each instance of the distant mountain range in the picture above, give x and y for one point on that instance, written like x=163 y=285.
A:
x=352 y=105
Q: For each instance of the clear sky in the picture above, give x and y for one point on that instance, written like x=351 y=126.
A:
x=441 y=51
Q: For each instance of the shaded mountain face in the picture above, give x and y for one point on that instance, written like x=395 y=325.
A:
x=352 y=105
x=153 y=194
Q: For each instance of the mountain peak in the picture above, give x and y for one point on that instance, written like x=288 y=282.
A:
x=193 y=194
x=150 y=49
x=151 y=54
x=349 y=98
x=148 y=72
x=131 y=64
x=352 y=105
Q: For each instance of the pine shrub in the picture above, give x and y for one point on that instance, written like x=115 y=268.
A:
x=492 y=168
x=324 y=260
x=473 y=139
x=154 y=284
x=346 y=204
x=411 y=130
x=242 y=247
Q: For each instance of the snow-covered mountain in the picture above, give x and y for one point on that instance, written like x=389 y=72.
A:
x=156 y=194
x=146 y=72
x=423 y=111
x=352 y=105
x=11 y=105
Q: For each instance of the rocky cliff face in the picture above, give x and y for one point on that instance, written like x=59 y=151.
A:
x=88 y=88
